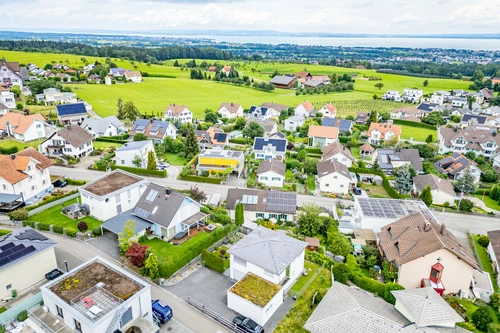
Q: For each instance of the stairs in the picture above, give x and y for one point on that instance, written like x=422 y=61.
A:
x=116 y=319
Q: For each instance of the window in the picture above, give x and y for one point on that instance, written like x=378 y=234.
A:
x=31 y=178
x=341 y=186
x=334 y=177
x=122 y=161
x=327 y=185
x=4 y=186
x=59 y=311
x=33 y=188
x=129 y=194
x=78 y=326
x=273 y=216
x=118 y=198
x=9 y=287
x=263 y=178
x=119 y=209
x=259 y=215
x=44 y=182
x=29 y=167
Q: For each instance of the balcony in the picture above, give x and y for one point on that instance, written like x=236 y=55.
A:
x=47 y=321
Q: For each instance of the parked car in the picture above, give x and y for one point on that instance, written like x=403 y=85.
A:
x=248 y=325
x=162 y=166
x=53 y=274
x=357 y=191
x=59 y=183
x=162 y=311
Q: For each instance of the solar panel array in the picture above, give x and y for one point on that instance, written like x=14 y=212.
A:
x=69 y=109
x=382 y=208
x=140 y=124
x=328 y=122
x=141 y=212
x=31 y=235
x=345 y=125
x=249 y=199
x=11 y=252
x=281 y=202
x=279 y=144
x=152 y=195
x=220 y=137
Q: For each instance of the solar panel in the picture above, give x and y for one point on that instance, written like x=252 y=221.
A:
x=71 y=109
x=141 y=213
x=4 y=261
x=28 y=250
x=328 y=122
x=6 y=246
x=279 y=144
x=16 y=255
x=31 y=235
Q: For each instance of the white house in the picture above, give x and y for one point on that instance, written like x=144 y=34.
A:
x=25 y=128
x=271 y=173
x=441 y=189
x=27 y=256
x=103 y=297
x=478 y=139
x=130 y=151
x=275 y=108
x=10 y=74
x=304 y=109
x=230 y=110
x=7 y=98
x=178 y=113
x=392 y=95
x=455 y=165
x=25 y=173
x=329 y=110
x=437 y=99
x=269 y=148
x=107 y=80
x=320 y=136
x=71 y=141
x=133 y=76
x=155 y=130
x=74 y=113
x=259 y=257
x=257 y=113
x=294 y=122
x=51 y=96
x=338 y=152
x=383 y=132
x=334 y=177
x=458 y=102
x=109 y=126
x=112 y=194
x=412 y=95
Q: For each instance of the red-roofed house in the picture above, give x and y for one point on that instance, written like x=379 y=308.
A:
x=10 y=74
x=225 y=70
x=304 y=109
x=329 y=110
x=178 y=113
x=25 y=128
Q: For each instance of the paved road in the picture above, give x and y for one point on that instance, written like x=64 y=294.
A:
x=465 y=222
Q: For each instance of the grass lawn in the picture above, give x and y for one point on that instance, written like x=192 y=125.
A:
x=470 y=308
x=485 y=261
x=311 y=183
x=4 y=232
x=104 y=145
x=378 y=191
x=55 y=217
x=417 y=133
x=20 y=145
x=489 y=202
x=175 y=159
x=355 y=152
x=310 y=268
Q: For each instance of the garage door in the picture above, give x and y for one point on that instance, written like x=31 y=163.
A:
x=238 y=275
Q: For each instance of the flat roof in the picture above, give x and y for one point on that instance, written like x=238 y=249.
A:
x=8 y=198
x=220 y=153
x=116 y=224
x=393 y=208
x=112 y=182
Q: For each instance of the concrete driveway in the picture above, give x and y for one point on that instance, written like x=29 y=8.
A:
x=173 y=171
x=107 y=243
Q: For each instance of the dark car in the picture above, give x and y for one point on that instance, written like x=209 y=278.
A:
x=357 y=191
x=248 y=325
x=53 y=274
x=59 y=183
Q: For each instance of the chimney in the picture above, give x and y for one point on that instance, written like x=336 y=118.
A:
x=12 y=157
x=443 y=229
x=427 y=226
x=261 y=233
x=168 y=191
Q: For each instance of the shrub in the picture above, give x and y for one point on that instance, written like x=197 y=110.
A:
x=200 y=179
x=482 y=317
x=139 y=171
x=494 y=328
x=483 y=240
x=20 y=214
x=466 y=205
x=97 y=231
x=43 y=226
x=341 y=273
x=29 y=224
x=71 y=232
x=82 y=226
x=136 y=254
x=76 y=182
x=446 y=204
x=49 y=199
x=213 y=261
x=57 y=229
x=23 y=315
x=221 y=216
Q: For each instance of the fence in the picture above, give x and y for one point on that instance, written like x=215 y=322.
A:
x=214 y=315
x=296 y=294
x=18 y=308
x=52 y=204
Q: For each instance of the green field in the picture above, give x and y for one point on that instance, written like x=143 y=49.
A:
x=417 y=133
x=489 y=202
x=20 y=145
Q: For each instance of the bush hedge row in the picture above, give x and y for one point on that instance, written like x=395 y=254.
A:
x=414 y=124
x=8 y=151
x=139 y=171
x=240 y=141
x=200 y=179
x=213 y=260
x=76 y=182
x=109 y=139
x=343 y=139
x=311 y=150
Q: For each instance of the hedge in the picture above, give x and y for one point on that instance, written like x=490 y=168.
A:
x=50 y=199
x=213 y=260
x=71 y=232
x=414 y=124
x=43 y=226
x=240 y=141
x=76 y=182
x=29 y=224
x=107 y=139
x=139 y=171
x=146 y=74
x=8 y=151
x=193 y=160
x=343 y=139
x=311 y=150
x=57 y=229
x=167 y=270
x=200 y=179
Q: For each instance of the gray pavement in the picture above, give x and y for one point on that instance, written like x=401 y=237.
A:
x=107 y=243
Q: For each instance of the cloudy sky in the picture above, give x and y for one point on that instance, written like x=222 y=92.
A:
x=335 y=16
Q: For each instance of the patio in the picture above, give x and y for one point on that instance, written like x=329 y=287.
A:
x=192 y=232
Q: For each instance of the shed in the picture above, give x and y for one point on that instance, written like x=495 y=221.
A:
x=312 y=243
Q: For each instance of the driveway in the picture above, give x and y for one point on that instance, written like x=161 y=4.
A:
x=234 y=181
x=108 y=243
x=173 y=171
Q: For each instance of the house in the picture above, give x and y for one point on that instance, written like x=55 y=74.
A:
x=366 y=151
x=458 y=102
x=313 y=244
x=426 y=107
x=225 y=70
x=275 y=108
x=338 y=152
x=71 y=141
x=312 y=83
x=303 y=75
x=25 y=128
x=329 y=110
x=107 y=80
x=115 y=192
x=379 y=132
x=218 y=160
x=126 y=154
x=212 y=69
x=230 y=110
x=271 y=173
x=74 y=113
x=344 y=125
x=454 y=167
x=261 y=204
x=334 y=177
x=494 y=250
x=350 y=309
x=260 y=113
x=283 y=81
x=437 y=99
x=362 y=117
x=481 y=286
x=178 y=113
x=320 y=136
x=212 y=138
x=53 y=96
x=155 y=130
x=304 y=109
x=103 y=297
x=7 y=98
x=278 y=135
x=269 y=126
x=441 y=189
x=486 y=93
x=109 y=126
x=323 y=78
x=412 y=95
x=492 y=111
x=26 y=256
x=474 y=120
x=293 y=123
x=404 y=113
x=133 y=76
x=425 y=253
x=25 y=173
x=479 y=140
x=267 y=149
x=392 y=95
x=116 y=72
x=10 y=74
x=391 y=158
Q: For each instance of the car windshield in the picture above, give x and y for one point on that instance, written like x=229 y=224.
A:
x=252 y=324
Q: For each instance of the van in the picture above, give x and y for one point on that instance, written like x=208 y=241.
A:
x=161 y=311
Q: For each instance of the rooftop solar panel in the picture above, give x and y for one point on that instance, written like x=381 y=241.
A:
x=328 y=122
x=31 y=235
x=71 y=109
x=6 y=246
x=141 y=213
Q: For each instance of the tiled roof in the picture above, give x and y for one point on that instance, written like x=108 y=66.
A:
x=266 y=201
x=453 y=164
x=75 y=135
x=366 y=147
x=384 y=128
x=275 y=106
x=19 y=122
x=231 y=107
x=414 y=236
x=334 y=148
x=268 y=249
x=435 y=182
x=307 y=105
x=12 y=171
x=176 y=109
x=272 y=165
x=35 y=154
x=330 y=107
x=470 y=134
x=323 y=132
x=131 y=73
x=100 y=126
x=387 y=156
x=331 y=166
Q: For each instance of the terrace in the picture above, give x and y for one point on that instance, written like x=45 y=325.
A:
x=256 y=290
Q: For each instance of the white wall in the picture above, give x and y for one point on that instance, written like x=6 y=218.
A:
x=271 y=179
x=334 y=183
x=37 y=130
x=226 y=114
x=68 y=149
x=249 y=309
x=125 y=158
x=252 y=215
x=341 y=158
x=301 y=111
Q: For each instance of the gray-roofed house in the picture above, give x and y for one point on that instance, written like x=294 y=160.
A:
x=74 y=113
x=455 y=165
x=109 y=126
x=391 y=158
x=261 y=204
x=337 y=151
x=294 y=122
x=481 y=140
x=127 y=154
x=25 y=257
x=472 y=119
x=334 y=177
x=275 y=108
x=441 y=189
x=283 y=81
x=494 y=251
x=270 y=127
x=271 y=173
x=157 y=130
x=71 y=141
x=267 y=148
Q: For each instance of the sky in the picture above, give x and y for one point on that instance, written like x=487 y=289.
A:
x=333 y=16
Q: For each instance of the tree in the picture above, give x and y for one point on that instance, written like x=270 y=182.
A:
x=429 y=138
x=403 y=182
x=119 y=105
x=426 y=195
x=136 y=254
x=211 y=116
x=125 y=235
x=309 y=219
x=483 y=240
x=376 y=165
x=16 y=90
x=426 y=83
x=191 y=143
x=337 y=243
x=466 y=183
x=379 y=85
x=465 y=205
x=130 y=111
x=253 y=130
x=434 y=118
x=82 y=226
x=152 y=165
x=137 y=161
x=152 y=266
x=196 y=194
x=341 y=273
x=482 y=317
x=240 y=123
x=310 y=166
x=239 y=215
x=478 y=75
x=373 y=117
x=38 y=86
x=140 y=137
